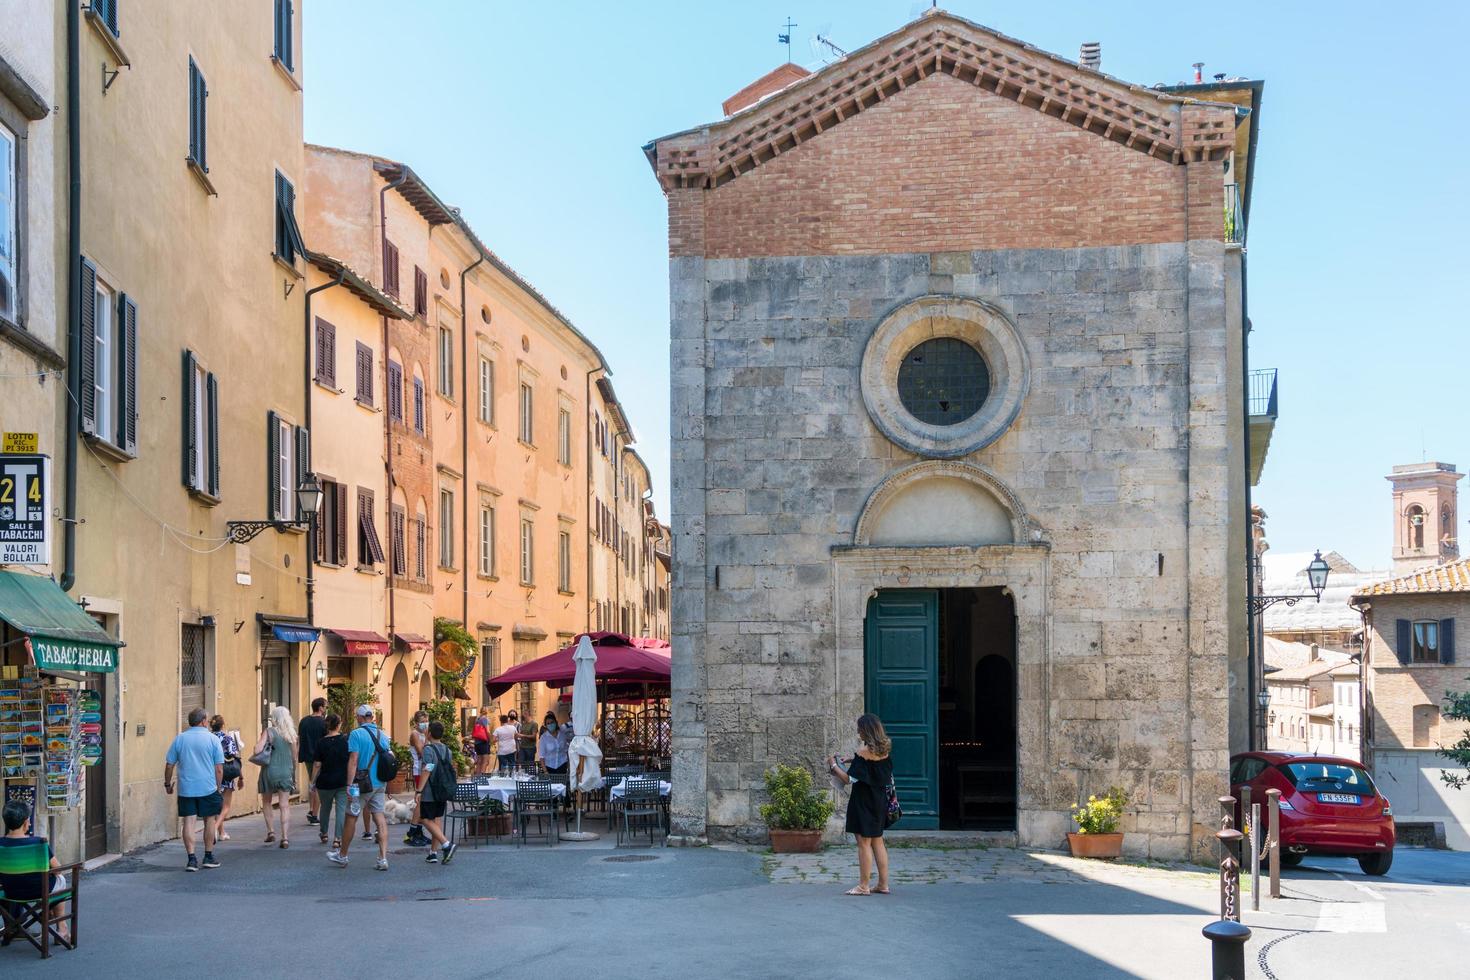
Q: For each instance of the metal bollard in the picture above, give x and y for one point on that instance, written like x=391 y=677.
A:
x=1227 y=949
x=1273 y=839
x=1255 y=845
x=1229 y=839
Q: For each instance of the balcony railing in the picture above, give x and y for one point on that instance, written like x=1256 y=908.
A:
x=1262 y=401
x=1234 y=220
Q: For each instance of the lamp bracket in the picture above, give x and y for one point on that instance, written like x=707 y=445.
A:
x=242 y=532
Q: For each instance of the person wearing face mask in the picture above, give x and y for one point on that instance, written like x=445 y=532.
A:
x=418 y=729
x=552 y=745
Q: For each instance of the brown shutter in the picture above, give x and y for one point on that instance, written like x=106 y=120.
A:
x=364 y=373
x=420 y=291
x=371 y=548
x=326 y=353
x=340 y=551
x=323 y=545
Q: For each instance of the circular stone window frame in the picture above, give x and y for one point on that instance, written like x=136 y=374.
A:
x=979 y=324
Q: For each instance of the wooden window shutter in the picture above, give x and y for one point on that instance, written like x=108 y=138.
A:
x=1446 y=641
x=303 y=466
x=326 y=353
x=340 y=554
x=370 y=549
x=1404 y=640
x=420 y=291
x=190 y=413
x=390 y=268
x=273 y=464
x=395 y=391
x=364 y=373
x=88 y=273
x=198 y=98
x=126 y=437
x=323 y=543
x=211 y=389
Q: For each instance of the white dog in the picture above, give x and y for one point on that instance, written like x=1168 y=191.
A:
x=399 y=811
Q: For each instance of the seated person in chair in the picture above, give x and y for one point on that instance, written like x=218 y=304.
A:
x=27 y=887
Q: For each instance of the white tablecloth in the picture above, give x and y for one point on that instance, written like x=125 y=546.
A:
x=616 y=793
x=504 y=789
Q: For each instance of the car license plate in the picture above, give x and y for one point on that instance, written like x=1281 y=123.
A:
x=1338 y=798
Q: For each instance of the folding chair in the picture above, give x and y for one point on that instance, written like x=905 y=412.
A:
x=30 y=864
x=466 y=804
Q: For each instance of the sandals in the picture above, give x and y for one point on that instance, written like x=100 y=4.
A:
x=270 y=837
x=323 y=837
x=881 y=891
x=285 y=844
x=858 y=890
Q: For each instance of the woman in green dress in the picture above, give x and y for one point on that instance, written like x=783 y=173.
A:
x=278 y=777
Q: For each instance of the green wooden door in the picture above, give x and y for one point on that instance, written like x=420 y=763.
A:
x=901 y=637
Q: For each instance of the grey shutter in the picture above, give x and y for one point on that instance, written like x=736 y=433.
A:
x=190 y=413
x=211 y=389
x=1403 y=635
x=1446 y=641
x=127 y=386
x=326 y=353
x=303 y=465
x=203 y=100
x=273 y=465
x=88 y=273
x=339 y=552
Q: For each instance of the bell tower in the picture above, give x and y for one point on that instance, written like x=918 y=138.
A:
x=1425 y=515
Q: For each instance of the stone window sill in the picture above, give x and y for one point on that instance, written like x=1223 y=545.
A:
x=286 y=73
x=21 y=337
x=201 y=175
x=487 y=578
x=108 y=449
x=109 y=39
x=290 y=267
x=204 y=497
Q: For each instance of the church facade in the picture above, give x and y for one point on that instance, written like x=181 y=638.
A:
x=957 y=364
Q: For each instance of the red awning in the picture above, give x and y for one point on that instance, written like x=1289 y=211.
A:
x=620 y=659
x=412 y=641
x=361 y=643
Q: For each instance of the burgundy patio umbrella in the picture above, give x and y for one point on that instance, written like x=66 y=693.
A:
x=621 y=659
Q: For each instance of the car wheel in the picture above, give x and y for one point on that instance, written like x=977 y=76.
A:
x=1290 y=859
x=1376 y=863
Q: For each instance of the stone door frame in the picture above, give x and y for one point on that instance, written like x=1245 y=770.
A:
x=1023 y=571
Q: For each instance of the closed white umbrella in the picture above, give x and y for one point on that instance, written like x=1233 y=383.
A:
x=583 y=754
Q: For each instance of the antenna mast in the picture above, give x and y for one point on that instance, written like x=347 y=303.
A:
x=786 y=38
x=827 y=43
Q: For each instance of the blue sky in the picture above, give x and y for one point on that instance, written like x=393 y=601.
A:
x=530 y=116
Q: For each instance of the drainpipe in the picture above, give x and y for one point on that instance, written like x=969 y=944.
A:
x=73 y=292
x=587 y=496
x=387 y=415
x=1255 y=675
x=464 y=431
x=306 y=385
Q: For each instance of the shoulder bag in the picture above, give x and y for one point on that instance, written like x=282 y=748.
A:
x=895 y=812
x=263 y=757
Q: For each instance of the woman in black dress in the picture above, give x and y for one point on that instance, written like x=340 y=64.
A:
x=869 y=772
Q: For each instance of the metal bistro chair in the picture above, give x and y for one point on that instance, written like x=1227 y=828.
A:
x=640 y=806
x=536 y=800
x=610 y=778
x=465 y=806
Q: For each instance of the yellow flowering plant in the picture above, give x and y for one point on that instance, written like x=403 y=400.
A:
x=1100 y=815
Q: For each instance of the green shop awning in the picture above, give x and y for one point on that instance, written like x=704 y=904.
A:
x=62 y=636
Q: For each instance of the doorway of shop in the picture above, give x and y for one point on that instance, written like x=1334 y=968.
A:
x=941 y=674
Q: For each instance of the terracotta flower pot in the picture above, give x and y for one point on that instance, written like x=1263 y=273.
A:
x=1096 y=845
x=795 y=841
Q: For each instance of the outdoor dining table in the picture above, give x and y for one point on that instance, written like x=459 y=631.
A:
x=503 y=788
x=619 y=788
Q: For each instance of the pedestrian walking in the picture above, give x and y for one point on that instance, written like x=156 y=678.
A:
x=505 y=744
x=233 y=772
x=313 y=729
x=366 y=796
x=278 y=776
x=198 y=759
x=418 y=737
x=329 y=780
x=480 y=734
x=434 y=790
x=552 y=746
x=27 y=887
x=870 y=773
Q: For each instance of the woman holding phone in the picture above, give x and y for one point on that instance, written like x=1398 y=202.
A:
x=869 y=772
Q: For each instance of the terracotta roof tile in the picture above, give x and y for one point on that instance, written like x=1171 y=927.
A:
x=1451 y=577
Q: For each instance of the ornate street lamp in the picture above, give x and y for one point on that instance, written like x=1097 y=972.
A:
x=1316 y=570
x=321 y=674
x=308 y=500
x=1263 y=699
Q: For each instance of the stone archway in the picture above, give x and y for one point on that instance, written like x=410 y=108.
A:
x=398 y=699
x=943 y=502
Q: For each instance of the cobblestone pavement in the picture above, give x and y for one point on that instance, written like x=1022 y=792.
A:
x=909 y=865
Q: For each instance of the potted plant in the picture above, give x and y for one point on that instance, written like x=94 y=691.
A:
x=492 y=819
x=1097 y=825
x=400 y=783
x=796 y=814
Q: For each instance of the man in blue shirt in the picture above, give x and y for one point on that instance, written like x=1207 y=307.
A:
x=199 y=760
x=366 y=743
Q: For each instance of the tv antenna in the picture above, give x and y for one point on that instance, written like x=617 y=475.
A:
x=824 y=47
x=786 y=37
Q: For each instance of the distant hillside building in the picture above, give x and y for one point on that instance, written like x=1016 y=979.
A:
x=958 y=426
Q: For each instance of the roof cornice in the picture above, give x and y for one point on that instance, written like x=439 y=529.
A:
x=1140 y=118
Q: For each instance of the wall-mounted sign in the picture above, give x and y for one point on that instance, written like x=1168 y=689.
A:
x=25 y=502
x=20 y=442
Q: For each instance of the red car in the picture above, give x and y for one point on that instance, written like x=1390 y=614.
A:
x=1329 y=805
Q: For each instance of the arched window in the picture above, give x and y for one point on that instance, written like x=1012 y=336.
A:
x=1446 y=523
x=1416 y=527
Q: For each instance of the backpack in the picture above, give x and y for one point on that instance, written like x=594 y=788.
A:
x=442 y=779
x=386 y=767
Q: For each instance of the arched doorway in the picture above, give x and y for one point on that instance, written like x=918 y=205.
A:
x=426 y=688
x=399 y=694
